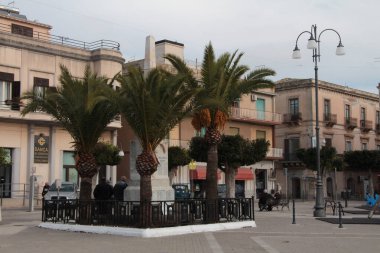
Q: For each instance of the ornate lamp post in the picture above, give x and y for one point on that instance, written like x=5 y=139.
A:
x=314 y=44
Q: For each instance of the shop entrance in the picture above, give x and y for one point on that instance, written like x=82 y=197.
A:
x=261 y=182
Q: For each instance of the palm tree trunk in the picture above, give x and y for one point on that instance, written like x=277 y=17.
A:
x=212 y=172
x=212 y=184
x=146 y=165
x=87 y=169
x=230 y=181
x=145 y=200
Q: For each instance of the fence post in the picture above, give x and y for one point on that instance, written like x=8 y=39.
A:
x=23 y=199
x=253 y=207
x=294 y=213
x=340 y=215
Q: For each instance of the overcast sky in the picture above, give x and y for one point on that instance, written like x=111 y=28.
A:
x=265 y=30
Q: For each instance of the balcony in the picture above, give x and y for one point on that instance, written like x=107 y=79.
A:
x=351 y=123
x=365 y=126
x=254 y=116
x=329 y=119
x=293 y=119
x=274 y=153
x=65 y=41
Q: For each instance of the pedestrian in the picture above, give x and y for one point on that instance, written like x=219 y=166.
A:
x=118 y=189
x=45 y=189
x=103 y=191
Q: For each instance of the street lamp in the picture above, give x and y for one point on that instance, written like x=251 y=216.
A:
x=314 y=44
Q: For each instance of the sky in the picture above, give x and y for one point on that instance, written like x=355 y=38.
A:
x=265 y=30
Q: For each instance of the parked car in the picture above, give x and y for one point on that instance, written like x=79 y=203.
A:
x=181 y=191
x=68 y=191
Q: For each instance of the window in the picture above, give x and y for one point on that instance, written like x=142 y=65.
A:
x=326 y=107
x=234 y=131
x=378 y=147
x=260 y=107
x=364 y=146
x=347 y=112
x=236 y=103
x=293 y=106
x=200 y=133
x=69 y=172
x=362 y=117
x=40 y=86
x=260 y=134
x=5 y=93
x=348 y=145
x=22 y=30
x=377 y=117
x=328 y=142
x=291 y=145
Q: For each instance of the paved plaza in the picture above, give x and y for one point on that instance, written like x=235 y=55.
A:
x=274 y=233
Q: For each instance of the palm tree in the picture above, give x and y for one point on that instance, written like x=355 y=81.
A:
x=153 y=103
x=222 y=82
x=83 y=108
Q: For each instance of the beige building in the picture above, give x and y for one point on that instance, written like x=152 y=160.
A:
x=349 y=120
x=30 y=57
x=253 y=116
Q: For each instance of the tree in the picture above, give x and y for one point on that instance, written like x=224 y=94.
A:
x=177 y=156
x=328 y=157
x=4 y=157
x=153 y=104
x=107 y=154
x=82 y=106
x=222 y=81
x=363 y=160
x=234 y=151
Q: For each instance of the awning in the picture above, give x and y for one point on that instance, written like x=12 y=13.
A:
x=200 y=173
x=244 y=174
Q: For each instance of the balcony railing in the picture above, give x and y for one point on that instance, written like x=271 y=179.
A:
x=329 y=119
x=365 y=125
x=254 y=115
x=292 y=118
x=61 y=40
x=275 y=153
x=179 y=143
x=351 y=123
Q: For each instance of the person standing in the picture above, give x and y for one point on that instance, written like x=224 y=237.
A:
x=118 y=189
x=45 y=189
x=103 y=191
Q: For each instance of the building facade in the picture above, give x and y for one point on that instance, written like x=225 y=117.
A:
x=253 y=116
x=30 y=58
x=348 y=120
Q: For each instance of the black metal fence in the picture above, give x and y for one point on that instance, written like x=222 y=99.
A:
x=143 y=214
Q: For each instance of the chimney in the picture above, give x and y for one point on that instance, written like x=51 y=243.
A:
x=150 y=53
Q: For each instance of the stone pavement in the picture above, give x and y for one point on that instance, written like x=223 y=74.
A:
x=274 y=233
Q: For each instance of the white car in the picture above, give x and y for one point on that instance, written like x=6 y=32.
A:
x=68 y=191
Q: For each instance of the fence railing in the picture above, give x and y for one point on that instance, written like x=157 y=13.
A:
x=62 y=40
x=19 y=191
x=148 y=214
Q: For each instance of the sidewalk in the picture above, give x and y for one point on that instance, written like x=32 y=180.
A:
x=274 y=233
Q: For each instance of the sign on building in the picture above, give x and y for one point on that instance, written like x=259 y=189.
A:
x=41 y=149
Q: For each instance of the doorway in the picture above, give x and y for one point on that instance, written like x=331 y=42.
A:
x=261 y=182
x=296 y=187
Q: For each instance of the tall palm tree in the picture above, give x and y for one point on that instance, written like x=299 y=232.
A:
x=222 y=82
x=83 y=108
x=153 y=103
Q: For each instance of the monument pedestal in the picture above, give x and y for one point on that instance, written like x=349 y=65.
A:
x=161 y=188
